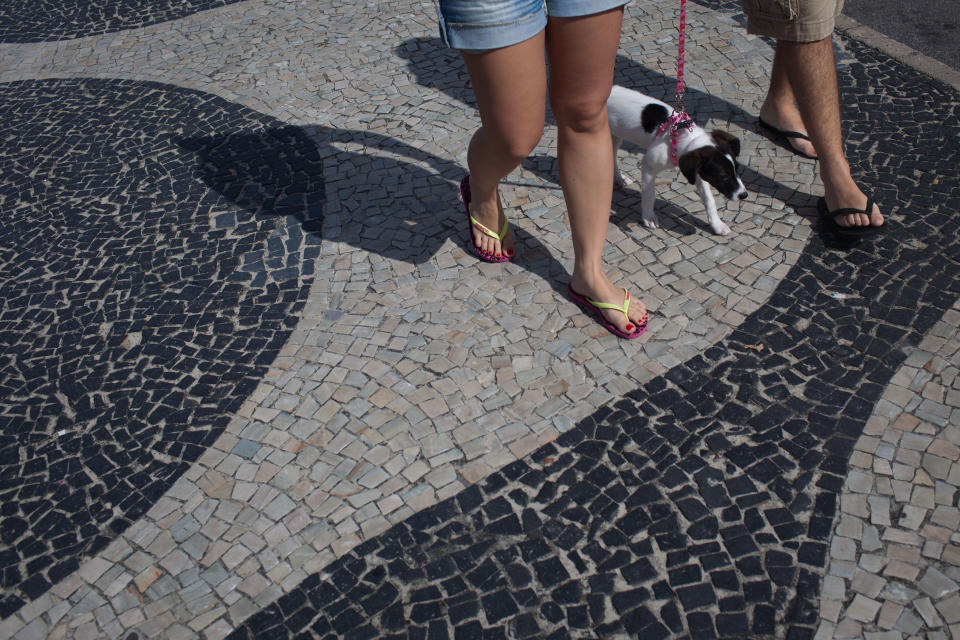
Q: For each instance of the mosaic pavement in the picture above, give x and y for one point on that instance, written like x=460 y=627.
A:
x=42 y=20
x=254 y=386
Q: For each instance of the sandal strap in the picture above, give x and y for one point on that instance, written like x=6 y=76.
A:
x=867 y=210
x=794 y=134
x=489 y=232
x=786 y=133
x=622 y=308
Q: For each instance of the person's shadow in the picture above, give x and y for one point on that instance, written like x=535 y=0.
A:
x=392 y=199
x=361 y=188
x=437 y=66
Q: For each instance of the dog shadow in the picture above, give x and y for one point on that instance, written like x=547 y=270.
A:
x=354 y=187
x=437 y=66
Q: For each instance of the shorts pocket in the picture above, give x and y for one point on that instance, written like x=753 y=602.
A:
x=443 y=28
x=779 y=10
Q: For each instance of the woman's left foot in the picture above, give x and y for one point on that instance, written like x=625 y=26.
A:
x=613 y=307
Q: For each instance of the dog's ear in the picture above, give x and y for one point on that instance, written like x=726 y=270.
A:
x=726 y=141
x=689 y=163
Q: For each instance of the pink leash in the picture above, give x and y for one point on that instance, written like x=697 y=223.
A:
x=681 y=89
x=679 y=118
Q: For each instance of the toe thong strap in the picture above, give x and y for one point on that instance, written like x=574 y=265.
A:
x=867 y=210
x=489 y=232
x=622 y=308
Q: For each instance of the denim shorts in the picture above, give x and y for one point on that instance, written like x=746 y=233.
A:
x=481 y=25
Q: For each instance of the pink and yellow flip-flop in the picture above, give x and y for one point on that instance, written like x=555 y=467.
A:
x=594 y=308
x=480 y=253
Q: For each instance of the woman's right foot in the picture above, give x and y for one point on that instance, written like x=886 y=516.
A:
x=493 y=220
x=602 y=290
x=488 y=214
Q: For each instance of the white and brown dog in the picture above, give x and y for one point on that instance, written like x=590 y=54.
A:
x=704 y=159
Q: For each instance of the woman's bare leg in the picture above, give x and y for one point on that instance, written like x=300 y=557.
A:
x=582 y=53
x=510 y=87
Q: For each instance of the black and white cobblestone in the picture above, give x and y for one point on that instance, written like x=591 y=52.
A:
x=699 y=506
x=43 y=20
x=155 y=252
x=413 y=373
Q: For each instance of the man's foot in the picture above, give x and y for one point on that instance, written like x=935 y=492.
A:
x=604 y=292
x=849 y=196
x=789 y=125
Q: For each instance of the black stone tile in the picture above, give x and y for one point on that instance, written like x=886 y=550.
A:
x=626 y=600
x=701 y=625
x=569 y=593
x=498 y=606
x=577 y=617
x=704 y=529
x=524 y=626
x=684 y=575
x=726 y=580
x=732 y=625
x=732 y=603
x=596 y=606
x=812 y=553
x=469 y=631
x=508 y=526
x=552 y=612
x=459 y=612
x=696 y=596
x=484 y=574
x=638 y=621
x=550 y=572
x=740 y=546
x=619 y=559
x=497 y=508
x=782 y=576
x=764 y=620
x=578 y=562
x=639 y=571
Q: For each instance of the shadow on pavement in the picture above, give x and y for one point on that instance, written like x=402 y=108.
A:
x=367 y=190
x=431 y=62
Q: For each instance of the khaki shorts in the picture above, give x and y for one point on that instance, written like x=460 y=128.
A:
x=792 y=20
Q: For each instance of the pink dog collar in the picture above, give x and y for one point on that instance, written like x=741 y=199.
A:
x=673 y=124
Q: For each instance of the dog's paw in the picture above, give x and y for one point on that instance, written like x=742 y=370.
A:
x=621 y=180
x=651 y=221
x=721 y=229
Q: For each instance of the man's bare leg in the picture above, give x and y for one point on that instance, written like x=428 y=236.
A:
x=780 y=106
x=812 y=71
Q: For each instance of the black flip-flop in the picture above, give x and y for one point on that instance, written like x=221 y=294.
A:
x=829 y=218
x=787 y=136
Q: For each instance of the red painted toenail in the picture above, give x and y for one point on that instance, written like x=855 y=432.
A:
x=629 y=327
